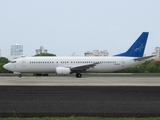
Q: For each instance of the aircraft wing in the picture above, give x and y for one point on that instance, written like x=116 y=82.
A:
x=143 y=58
x=82 y=68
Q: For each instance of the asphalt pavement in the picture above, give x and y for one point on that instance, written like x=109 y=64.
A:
x=104 y=101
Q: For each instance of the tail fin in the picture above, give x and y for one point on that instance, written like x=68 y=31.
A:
x=138 y=47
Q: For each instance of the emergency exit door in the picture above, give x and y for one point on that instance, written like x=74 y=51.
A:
x=23 y=62
x=122 y=62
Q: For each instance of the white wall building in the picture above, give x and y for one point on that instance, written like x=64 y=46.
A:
x=16 y=52
x=16 y=49
x=96 y=53
x=157 y=53
x=41 y=50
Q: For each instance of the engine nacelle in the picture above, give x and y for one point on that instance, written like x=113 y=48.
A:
x=63 y=70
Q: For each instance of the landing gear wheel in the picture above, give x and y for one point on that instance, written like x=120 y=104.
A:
x=78 y=75
x=20 y=75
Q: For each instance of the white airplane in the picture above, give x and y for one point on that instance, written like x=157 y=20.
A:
x=68 y=65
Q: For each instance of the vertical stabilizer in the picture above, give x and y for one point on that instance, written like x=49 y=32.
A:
x=137 y=48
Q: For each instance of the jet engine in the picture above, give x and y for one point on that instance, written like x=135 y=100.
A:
x=63 y=70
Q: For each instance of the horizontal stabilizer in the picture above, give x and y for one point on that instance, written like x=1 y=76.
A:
x=144 y=58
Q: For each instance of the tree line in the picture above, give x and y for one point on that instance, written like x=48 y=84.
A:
x=150 y=66
x=3 y=61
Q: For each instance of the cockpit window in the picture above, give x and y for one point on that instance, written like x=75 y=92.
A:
x=13 y=61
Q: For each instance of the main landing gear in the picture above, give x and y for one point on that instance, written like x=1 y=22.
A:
x=19 y=75
x=78 y=75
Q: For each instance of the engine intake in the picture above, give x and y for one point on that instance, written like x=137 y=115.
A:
x=63 y=70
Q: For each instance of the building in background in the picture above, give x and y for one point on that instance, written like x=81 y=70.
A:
x=96 y=53
x=16 y=52
x=41 y=50
x=156 y=53
x=16 y=49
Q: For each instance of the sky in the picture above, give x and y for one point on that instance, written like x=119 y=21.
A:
x=67 y=26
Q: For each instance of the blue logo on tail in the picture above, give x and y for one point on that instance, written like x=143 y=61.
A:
x=138 y=47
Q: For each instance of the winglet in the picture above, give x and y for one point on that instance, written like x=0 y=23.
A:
x=137 y=48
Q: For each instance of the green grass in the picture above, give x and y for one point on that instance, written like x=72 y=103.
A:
x=110 y=75
x=80 y=118
x=103 y=75
x=122 y=74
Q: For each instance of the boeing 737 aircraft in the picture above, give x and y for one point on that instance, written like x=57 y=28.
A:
x=68 y=65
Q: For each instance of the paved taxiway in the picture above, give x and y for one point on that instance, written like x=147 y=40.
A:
x=88 y=96
x=84 y=81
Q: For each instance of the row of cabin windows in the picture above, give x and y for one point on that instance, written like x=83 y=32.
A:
x=41 y=62
x=77 y=62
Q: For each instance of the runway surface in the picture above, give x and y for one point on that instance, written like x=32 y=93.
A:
x=42 y=96
x=84 y=81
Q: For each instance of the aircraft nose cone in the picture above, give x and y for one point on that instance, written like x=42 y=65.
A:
x=5 y=66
